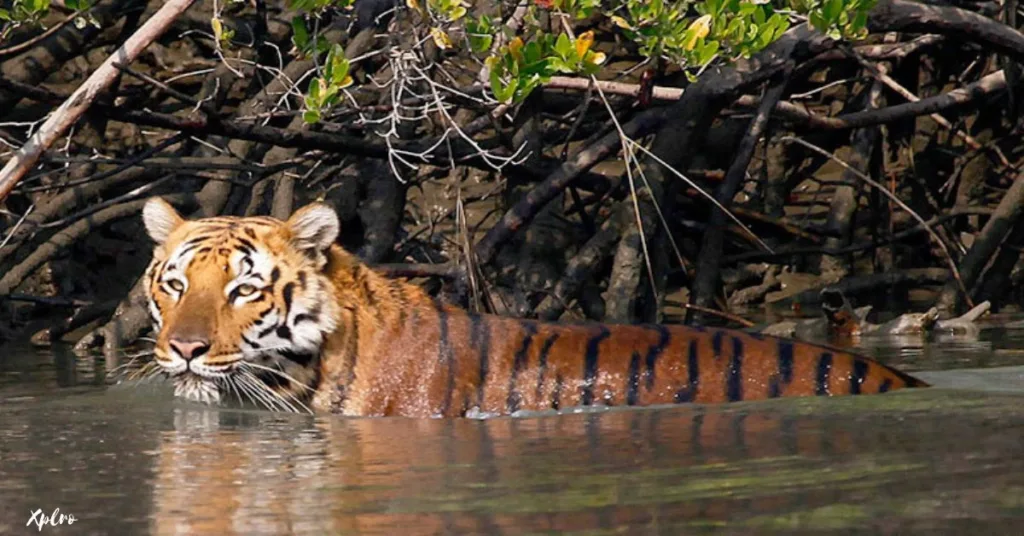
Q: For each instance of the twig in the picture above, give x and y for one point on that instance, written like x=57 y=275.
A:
x=614 y=88
x=715 y=312
x=68 y=113
x=14 y=50
x=16 y=226
x=884 y=78
x=963 y=96
x=785 y=255
x=882 y=189
x=55 y=301
x=187 y=99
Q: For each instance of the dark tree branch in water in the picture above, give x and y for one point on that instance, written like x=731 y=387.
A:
x=844 y=204
x=988 y=242
x=706 y=281
x=584 y=264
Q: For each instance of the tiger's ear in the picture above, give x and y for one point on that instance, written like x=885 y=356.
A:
x=314 y=226
x=161 y=219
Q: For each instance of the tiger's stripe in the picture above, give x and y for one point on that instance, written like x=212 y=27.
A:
x=280 y=302
x=540 y=366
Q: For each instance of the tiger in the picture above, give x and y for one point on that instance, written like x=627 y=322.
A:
x=274 y=312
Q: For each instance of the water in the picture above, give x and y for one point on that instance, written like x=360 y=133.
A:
x=133 y=460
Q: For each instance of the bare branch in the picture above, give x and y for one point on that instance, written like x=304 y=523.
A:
x=68 y=113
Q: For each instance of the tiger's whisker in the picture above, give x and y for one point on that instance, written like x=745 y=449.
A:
x=259 y=391
x=277 y=372
x=277 y=396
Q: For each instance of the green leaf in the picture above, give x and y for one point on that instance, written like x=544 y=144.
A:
x=300 y=36
x=532 y=52
x=330 y=97
x=707 y=52
x=860 y=21
x=495 y=78
x=817 y=21
x=504 y=93
x=315 y=88
x=311 y=117
x=5 y=15
x=480 y=34
x=561 y=66
x=338 y=65
x=564 y=47
x=831 y=10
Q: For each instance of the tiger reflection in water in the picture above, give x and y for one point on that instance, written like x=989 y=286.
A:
x=224 y=473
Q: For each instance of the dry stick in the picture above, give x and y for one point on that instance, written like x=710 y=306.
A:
x=884 y=78
x=29 y=43
x=969 y=94
x=669 y=94
x=614 y=88
x=784 y=255
x=76 y=105
x=49 y=55
x=715 y=312
x=16 y=227
x=204 y=105
x=890 y=195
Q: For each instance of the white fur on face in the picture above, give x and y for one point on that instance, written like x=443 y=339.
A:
x=306 y=312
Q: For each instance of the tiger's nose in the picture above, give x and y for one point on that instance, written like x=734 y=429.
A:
x=190 y=350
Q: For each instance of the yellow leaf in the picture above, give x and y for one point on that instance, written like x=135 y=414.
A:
x=441 y=39
x=413 y=4
x=218 y=29
x=702 y=25
x=621 y=22
x=583 y=43
x=596 y=58
x=698 y=29
x=515 y=48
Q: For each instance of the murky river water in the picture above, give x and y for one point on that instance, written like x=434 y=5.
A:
x=132 y=460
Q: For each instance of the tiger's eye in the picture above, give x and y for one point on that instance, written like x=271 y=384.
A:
x=176 y=285
x=245 y=290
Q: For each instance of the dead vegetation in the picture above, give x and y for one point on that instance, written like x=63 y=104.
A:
x=887 y=168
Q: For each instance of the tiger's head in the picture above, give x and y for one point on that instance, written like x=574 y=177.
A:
x=241 y=305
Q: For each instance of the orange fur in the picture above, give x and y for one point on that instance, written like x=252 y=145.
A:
x=388 y=348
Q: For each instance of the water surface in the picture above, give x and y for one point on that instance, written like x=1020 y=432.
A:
x=133 y=460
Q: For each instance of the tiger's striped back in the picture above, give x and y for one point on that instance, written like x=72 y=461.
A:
x=458 y=362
